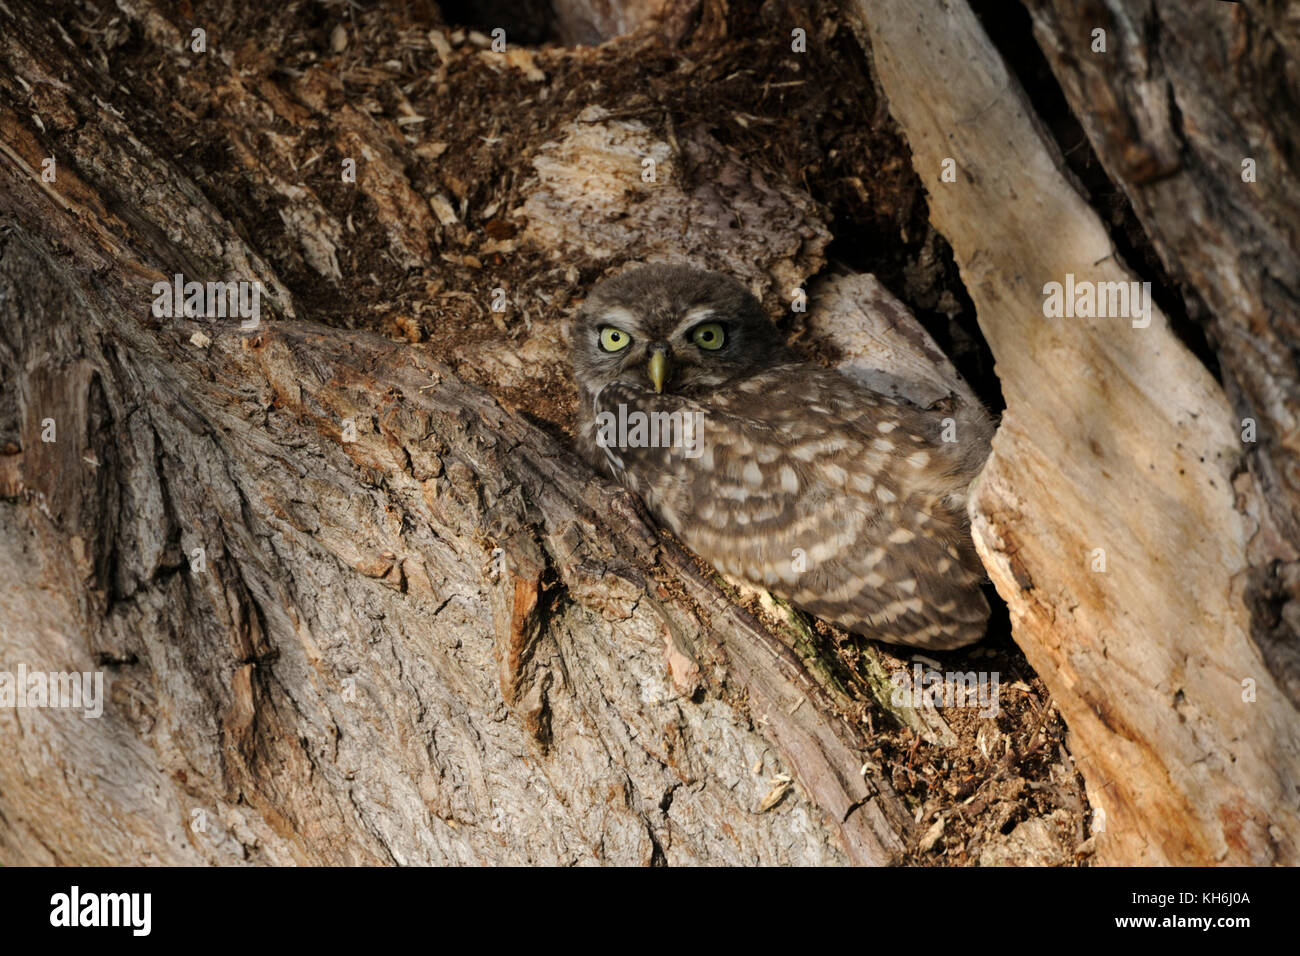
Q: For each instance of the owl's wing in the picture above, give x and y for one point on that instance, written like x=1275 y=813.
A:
x=846 y=502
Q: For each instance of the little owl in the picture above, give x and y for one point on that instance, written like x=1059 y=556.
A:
x=847 y=502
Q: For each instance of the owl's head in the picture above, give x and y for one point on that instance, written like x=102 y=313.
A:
x=670 y=328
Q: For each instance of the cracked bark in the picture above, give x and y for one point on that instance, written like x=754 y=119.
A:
x=1233 y=243
x=445 y=641
x=1117 y=445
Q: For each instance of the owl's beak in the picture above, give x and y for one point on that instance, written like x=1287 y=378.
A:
x=658 y=368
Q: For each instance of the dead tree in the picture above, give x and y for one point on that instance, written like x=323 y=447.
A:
x=1114 y=516
x=352 y=608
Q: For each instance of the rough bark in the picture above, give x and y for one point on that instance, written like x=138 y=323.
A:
x=420 y=631
x=442 y=641
x=1192 y=109
x=1115 y=440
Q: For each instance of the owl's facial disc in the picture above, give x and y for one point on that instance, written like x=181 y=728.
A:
x=671 y=329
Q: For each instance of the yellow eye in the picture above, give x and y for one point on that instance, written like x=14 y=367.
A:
x=612 y=339
x=709 y=335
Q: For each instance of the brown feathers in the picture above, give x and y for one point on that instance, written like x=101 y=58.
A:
x=846 y=502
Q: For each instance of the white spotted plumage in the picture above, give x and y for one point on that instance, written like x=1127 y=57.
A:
x=845 y=501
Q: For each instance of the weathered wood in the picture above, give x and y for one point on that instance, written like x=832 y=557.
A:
x=1191 y=111
x=593 y=21
x=727 y=218
x=1114 y=438
x=372 y=562
x=420 y=630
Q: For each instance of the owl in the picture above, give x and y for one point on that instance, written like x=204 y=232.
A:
x=846 y=502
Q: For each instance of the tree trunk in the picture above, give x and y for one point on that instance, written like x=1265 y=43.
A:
x=1185 y=110
x=351 y=609
x=1109 y=516
x=355 y=600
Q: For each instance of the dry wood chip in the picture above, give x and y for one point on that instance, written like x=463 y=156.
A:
x=781 y=785
x=439 y=42
x=442 y=208
x=932 y=835
x=522 y=59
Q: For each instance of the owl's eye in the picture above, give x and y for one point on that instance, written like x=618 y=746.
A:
x=612 y=339
x=708 y=335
